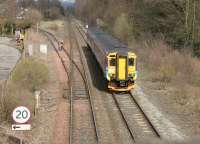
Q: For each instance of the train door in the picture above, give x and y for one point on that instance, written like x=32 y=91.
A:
x=122 y=65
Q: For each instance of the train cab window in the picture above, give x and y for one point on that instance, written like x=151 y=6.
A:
x=112 y=62
x=131 y=62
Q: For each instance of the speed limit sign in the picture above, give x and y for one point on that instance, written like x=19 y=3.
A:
x=21 y=114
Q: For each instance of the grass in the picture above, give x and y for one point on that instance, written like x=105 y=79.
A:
x=16 y=96
x=171 y=68
x=29 y=75
x=51 y=25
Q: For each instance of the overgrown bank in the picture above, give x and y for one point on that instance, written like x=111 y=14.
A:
x=22 y=14
x=30 y=75
x=176 y=22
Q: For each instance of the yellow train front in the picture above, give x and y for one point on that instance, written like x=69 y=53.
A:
x=121 y=72
x=116 y=60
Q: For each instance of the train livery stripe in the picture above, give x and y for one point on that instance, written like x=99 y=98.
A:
x=122 y=69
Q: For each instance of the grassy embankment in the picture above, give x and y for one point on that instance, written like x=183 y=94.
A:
x=29 y=75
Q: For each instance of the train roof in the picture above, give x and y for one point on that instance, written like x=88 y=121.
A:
x=107 y=42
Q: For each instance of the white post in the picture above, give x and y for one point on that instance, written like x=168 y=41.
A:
x=37 y=101
x=37 y=26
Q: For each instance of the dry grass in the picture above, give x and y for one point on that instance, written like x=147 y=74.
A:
x=16 y=96
x=53 y=25
x=167 y=64
x=29 y=75
x=169 y=67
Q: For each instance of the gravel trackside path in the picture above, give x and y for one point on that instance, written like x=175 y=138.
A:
x=61 y=119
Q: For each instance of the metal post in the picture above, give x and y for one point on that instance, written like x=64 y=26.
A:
x=3 y=93
x=37 y=26
x=21 y=141
x=37 y=102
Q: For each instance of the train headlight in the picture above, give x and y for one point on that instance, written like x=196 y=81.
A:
x=111 y=75
x=131 y=75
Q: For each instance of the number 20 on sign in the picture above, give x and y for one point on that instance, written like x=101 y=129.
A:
x=21 y=114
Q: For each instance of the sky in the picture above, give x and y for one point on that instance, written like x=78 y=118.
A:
x=68 y=0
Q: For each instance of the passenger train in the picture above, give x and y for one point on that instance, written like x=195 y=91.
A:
x=117 y=61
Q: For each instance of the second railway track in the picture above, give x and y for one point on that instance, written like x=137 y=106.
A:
x=84 y=128
x=82 y=116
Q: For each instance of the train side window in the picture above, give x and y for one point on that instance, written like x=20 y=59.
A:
x=112 y=62
x=131 y=62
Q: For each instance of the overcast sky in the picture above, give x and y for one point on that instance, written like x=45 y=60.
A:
x=69 y=0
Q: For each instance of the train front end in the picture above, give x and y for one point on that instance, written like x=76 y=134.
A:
x=121 y=71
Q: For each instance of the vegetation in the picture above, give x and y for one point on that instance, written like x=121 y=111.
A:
x=164 y=34
x=29 y=75
x=177 y=22
x=16 y=96
x=25 y=13
x=122 y=28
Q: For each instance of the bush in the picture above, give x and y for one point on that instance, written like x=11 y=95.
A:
x=167 y=64
x=8 y=26
x=54 y=13
x=16 y=96
x=33 y=16
x=167 y=71
x=122 y=28
x=54 y=27
x=31 y=75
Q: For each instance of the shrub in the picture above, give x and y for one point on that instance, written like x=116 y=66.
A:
x=122 y=28
x=16 y=96
x=167 y=71
x=31 y=74
x=53 y=27
x=8 y=26
x=33 y=16
x=54 y=13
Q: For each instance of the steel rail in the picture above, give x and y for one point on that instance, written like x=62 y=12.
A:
x=81 y=31
x=52 y=39
x=145 y=116
x=88 y=89
x=115 y=100
x=71 y=87
x=123 y=117
x=69 y=56
x=48 y=35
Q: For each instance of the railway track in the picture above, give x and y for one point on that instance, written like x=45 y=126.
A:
x=82 y=122
x=134 y=118
x=81 y=94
